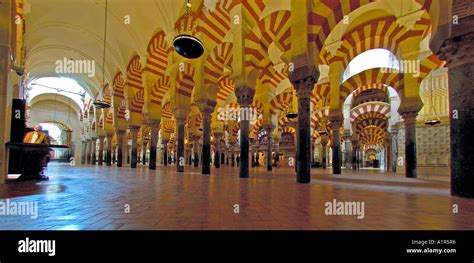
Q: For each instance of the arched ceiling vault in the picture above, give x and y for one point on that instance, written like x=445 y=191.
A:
x=148 y=80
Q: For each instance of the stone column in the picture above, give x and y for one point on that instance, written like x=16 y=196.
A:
x=217 y=159
x=348 y=159
x=83 y=153
x=180 y=149
x=394 y=148
x=232 y=159
x=88 y=151
x=108 y=154
x=154 y=127
x=336 y=145
x=257 y=157
x=120 y=142
x=101 y=150
x=304 y=84
x=410 y=142
x=165 y=152
x=276 y=142
x=114 y=154
x=206 y=111
x=133 y=159
x=244 y=97
x=324 y=143
x=388 y=152
x=355 y=149
x=252 y=152
x=94 y=149
x=227 y=157
x=269 y=130
x=129 y=147
x=457 y=49
x=144 y=150
x=196 y=153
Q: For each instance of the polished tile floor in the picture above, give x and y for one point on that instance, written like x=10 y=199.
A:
x=111 y=198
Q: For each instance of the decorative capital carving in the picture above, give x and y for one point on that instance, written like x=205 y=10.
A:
x=333 y=47
x=324 y=141
x=154 y=124
x=269 y=129
x=457 y=51
x=408 y=21
x=244 y=95
x=335 y=124
x=409 y=117
x=206 y=106
x=134 y=128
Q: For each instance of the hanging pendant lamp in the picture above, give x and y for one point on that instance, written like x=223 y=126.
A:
x=185 y=43
x=99 y=103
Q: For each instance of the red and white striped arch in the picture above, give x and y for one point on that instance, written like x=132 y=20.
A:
x=326 y=14
x=373 y=106
x=185 y=81
x=274 y=28
x=370 y=78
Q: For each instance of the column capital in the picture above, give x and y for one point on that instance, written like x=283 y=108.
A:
x=269 y=129
x=154 y=123
x=244 y=95
x=303 y=75
x=324 y=141
x=335 y=124
x=457 y=51
x=346 y=135
x=409 y=117
x=206 y=106
x=305 y=88
x=394 y=130
x=218 y=135
x=134 y=128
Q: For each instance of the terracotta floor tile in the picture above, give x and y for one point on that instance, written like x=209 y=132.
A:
x=88 y=197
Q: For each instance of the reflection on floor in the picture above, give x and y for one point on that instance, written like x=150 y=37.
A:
x=88 y=197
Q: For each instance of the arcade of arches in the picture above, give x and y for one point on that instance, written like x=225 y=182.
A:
x=382 y=90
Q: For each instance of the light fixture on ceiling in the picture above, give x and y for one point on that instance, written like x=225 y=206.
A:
x=292 y=112
x=431 y=121
x=99 y=103
x=185 y=43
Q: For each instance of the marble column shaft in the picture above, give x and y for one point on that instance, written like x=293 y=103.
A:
x=94 y=149
x=180 y=149
x=410 y=143
x=120 y=142
x=336 y=146
x=206 y=141
x=108 y=154
x=154 y=125
x=101 y=150
x=134 y=157
x=304 y=87
x=324 y=144
x=457 y=51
